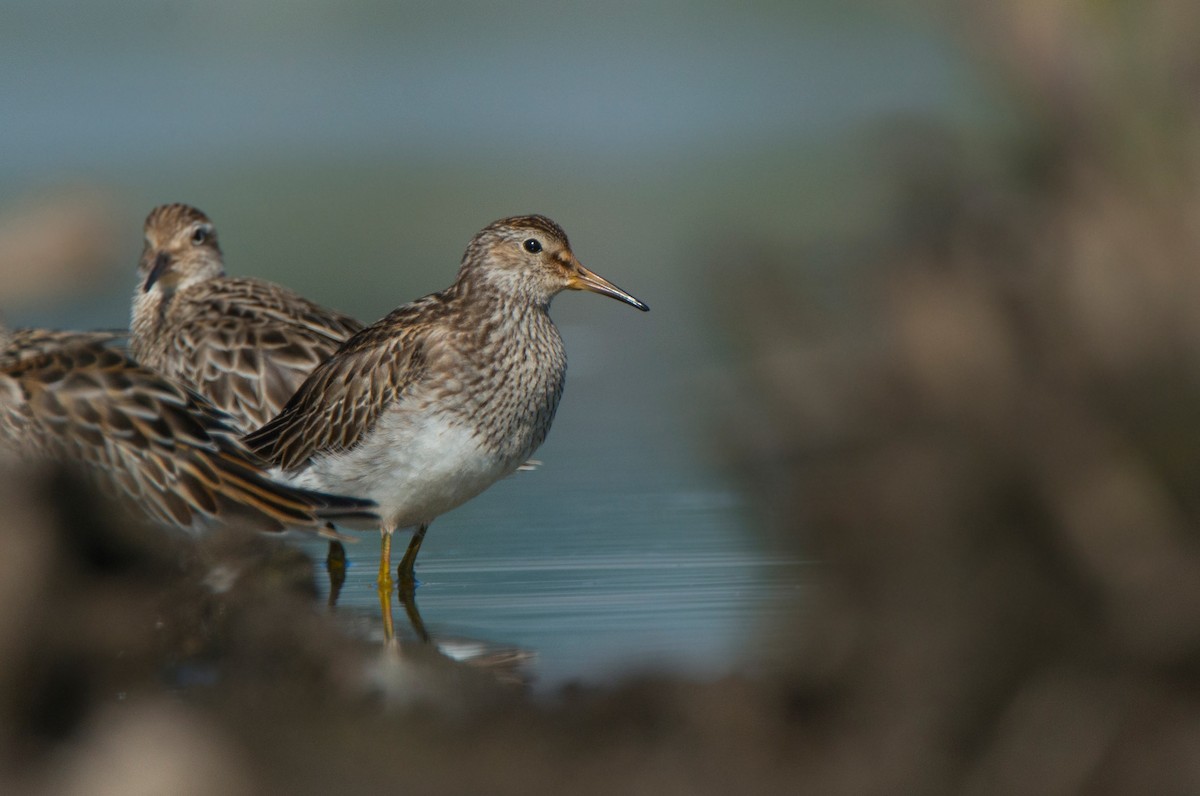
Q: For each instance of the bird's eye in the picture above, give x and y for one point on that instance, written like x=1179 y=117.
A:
x=533 y=245
x=200 y=236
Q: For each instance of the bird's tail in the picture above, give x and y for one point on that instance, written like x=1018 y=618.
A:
x=243 y=493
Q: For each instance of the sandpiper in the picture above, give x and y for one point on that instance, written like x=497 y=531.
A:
x=70 y=397
x=426 y=408
x=244 y=344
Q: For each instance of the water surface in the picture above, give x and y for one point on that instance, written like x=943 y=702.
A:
x=658 y=577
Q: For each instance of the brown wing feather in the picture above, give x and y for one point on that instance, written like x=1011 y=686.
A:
x=344 y=397
x=23 y=343
x=247 y=345
x=166 y=450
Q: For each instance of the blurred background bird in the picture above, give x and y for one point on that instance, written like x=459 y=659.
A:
x=243 y=343
x=73 y=400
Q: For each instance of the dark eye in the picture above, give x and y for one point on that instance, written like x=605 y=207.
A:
x=200 y=235
x=533 y=245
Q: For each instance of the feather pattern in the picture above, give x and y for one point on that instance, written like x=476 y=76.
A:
x=429 y=406
x=72 y=398
x=342 y=400
x=244 y=344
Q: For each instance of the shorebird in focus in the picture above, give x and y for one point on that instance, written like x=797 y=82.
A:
x=70 y=398
x=428 y=407
x=244 y=344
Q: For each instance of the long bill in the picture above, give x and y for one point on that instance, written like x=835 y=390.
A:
x=583 y=279
x=161 y=263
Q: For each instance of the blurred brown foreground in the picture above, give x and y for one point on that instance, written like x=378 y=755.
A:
x=992 y=445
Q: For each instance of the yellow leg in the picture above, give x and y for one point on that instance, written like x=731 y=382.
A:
x=385 y=585
x=385 y=562
x=408 y=582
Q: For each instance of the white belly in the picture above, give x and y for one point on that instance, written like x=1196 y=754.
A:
x=415 y=467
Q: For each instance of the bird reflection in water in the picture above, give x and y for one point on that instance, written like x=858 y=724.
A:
x=510 y=665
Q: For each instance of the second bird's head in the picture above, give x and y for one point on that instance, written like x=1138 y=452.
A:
x=180 y=249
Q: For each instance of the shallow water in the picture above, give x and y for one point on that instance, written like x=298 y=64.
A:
x=584 y=613
x=593 y=567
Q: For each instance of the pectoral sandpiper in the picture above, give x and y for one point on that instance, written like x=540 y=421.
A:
x=244 y=344
x=72 y=398
x=426 y=408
